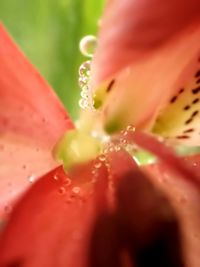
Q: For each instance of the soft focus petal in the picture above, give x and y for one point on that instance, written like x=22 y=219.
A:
x=130 y=29
x=150 y=49
x=31 y=121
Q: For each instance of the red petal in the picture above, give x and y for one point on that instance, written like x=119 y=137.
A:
x=179 y=179
x=49 y=227
x=167 y=155
x=31 y=121
x=185 y=198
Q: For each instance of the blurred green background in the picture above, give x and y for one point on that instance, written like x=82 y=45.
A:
x=49 y=32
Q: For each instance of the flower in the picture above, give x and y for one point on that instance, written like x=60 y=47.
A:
x=109 y=212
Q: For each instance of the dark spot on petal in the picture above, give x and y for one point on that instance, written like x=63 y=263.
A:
x=194 y=113
x=189 y=130
x=196 y=90
x=198 y=81
x=196 y=100
x=181 y=90
x=173 y=99
x=182 y=137
x=186 y=107
x=110 y=86
x=197 y=74
x=188 y=121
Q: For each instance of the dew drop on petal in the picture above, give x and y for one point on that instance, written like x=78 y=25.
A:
x=102 y=157
x=55 y=177
x=84 y=94
x=130 y=128
x=62 y=190
x=83 y=103
x=31 y=178
x=87 y=45
x=97 y=165
x=67 y=182
x=76 y=190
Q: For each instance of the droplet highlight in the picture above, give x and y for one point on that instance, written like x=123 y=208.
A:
x=87 y=45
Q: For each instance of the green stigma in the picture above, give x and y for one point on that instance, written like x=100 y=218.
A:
x=76 y=147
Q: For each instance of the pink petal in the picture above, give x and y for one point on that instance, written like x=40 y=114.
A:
x=130 y=29
x=31 y=121
x=151 y=50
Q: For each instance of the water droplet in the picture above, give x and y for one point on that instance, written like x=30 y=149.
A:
x=86 y=101
x=130 y=128
x=124 y=141
x=98 y=165
x=67 y=182
x=87 y=45
x=125 y=133
x=62 y=190
x=76 y=190
x=84 y=94
x=55 y=177
x=117 y=148
x=94 y=171
x=83 y=103
x=111 y=149
x=84 y=68
x=102 y=157
x=31 y=178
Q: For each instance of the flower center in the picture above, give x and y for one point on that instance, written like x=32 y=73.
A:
x=91 y=137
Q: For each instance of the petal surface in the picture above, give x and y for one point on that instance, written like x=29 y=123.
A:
x=150 y=49
x=61 y=213
x=184 y=198
x=31 y=121
x=56 y=216
x=131 y=29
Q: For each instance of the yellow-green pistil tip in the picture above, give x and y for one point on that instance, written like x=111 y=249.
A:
x=76 y=147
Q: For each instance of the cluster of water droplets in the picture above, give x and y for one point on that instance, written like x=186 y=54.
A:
x=86 y=101
x=87 y=47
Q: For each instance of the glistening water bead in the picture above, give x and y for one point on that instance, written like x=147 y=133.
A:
x=86 y=101
x=87 y=45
